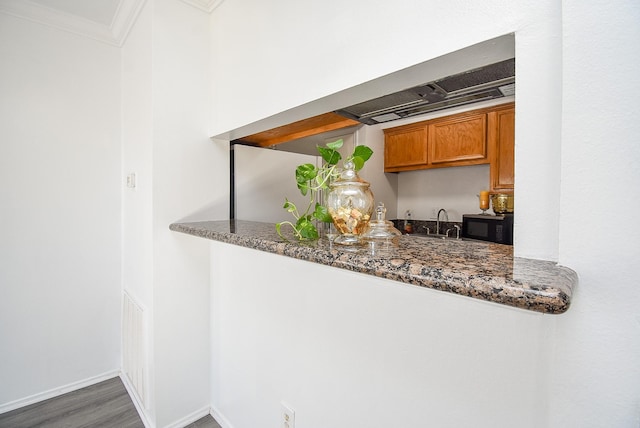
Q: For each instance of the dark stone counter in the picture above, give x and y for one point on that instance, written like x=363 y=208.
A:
x=479 y=270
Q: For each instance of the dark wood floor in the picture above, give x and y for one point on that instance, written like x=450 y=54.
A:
x=105 y=404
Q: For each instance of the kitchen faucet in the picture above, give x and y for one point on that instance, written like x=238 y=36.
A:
x=446 y=216
x=456 y=228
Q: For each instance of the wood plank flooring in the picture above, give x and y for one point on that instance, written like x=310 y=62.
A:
x=104 y=405
x=206 y=422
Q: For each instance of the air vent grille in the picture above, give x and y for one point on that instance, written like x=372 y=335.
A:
x=398 y=100
x=479 y=77
x=475 y=85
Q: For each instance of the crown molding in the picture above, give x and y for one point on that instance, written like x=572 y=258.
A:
x=125 y=17
x=205 y=5
x=114 y=34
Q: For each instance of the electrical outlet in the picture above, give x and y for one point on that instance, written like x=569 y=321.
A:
x=288 y=419
x=433 y=213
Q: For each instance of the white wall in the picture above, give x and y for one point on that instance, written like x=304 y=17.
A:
x=454 y=189
x=137 y=151
x=66 y=104
x=345 y=349
x=180 y=174
x=263 y=179
x=60 y=209
x=137 y=203
x=571 y=148
x=190 y=178
x=597 y=376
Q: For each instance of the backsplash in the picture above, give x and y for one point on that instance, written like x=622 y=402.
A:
x=420 y=226
x=425 y=192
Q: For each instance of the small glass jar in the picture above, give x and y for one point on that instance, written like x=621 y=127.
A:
x=381 y=235
x=350 y=205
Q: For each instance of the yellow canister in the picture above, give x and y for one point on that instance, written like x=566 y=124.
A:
x=502 y=203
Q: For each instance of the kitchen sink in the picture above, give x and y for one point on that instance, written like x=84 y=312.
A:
x=437 y=236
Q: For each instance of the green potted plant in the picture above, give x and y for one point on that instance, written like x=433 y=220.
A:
x=310 y=180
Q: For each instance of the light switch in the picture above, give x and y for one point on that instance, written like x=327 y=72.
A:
x=131 y=180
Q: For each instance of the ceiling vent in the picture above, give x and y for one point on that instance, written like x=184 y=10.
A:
x=485 y=83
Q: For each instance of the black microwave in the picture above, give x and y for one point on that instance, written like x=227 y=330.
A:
x=492 y=228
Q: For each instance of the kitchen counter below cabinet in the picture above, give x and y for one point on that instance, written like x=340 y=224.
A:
x=479 y=270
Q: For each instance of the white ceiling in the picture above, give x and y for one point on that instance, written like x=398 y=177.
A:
x=108 y=21
x=99 y=11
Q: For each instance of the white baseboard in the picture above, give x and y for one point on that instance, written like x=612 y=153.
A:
x=55 y=392
x=136 y=401
x=190 y=418
x=222 y=421
x=36 y=398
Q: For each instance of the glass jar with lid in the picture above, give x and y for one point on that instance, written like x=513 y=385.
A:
x=350 y=205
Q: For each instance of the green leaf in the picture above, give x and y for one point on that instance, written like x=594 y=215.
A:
x=289 y=206
x=363 y=152
x=358 y=162
x=335 y=145
x=306 y=172
x=303 y=220
x=306 y=228
x=304 y=188
x=330 y=156
x=310 y=232
x=321 y=213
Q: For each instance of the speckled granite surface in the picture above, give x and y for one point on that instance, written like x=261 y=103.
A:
x=479 y=270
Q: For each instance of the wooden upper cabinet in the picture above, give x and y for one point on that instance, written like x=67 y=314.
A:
x=461 y=140
x=501 y=137
x=476 y=137
x=405 y=147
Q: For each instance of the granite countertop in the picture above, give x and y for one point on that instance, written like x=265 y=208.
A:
x=479 y=270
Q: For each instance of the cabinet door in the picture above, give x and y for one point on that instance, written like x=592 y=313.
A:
x=404 y=148
x=501 y=134
x=460 y=141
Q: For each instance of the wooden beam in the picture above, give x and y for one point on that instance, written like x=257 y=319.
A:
x=303 y=128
